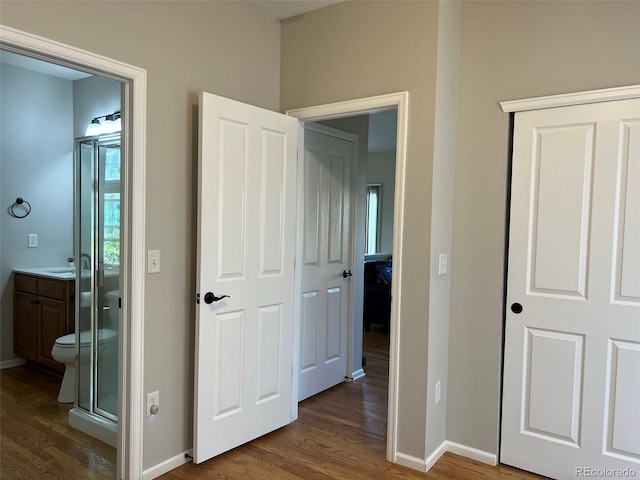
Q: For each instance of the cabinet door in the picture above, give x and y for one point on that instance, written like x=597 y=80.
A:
x=52 y=325
x=25 y=325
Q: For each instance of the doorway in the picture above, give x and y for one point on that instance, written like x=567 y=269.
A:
x=397 y=101
x=132 y=266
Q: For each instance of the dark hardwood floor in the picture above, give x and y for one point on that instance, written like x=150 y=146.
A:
x=340 y=434
x=36 y=441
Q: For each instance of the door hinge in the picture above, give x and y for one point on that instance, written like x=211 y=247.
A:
x=197 y=298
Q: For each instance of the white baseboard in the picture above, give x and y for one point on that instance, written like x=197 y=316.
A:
x=446 y=446
x=472 y=453
x=16 y=362
x=356 y=375
x=435 y=456
x=165 y=466
x=411 y=462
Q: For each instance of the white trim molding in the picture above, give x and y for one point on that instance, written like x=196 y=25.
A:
x=411 y=462
x=134 y=79
x=567 y=99
x=435 y=456
x=166 y=466
x=446 y=446
x=399 y=101
x=472 y=453
x=15 y=362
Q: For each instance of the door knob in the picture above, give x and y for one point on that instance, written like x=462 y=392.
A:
x=209 y=298
x=516 y=308
x=347 y=274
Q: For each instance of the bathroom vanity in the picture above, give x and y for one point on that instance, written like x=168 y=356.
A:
x=43 y=310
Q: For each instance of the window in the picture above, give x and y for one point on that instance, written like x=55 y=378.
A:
x=111 y=205
x=374 y=196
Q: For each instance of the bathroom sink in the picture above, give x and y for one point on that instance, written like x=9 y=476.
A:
x=60 y=270
x=64 y=274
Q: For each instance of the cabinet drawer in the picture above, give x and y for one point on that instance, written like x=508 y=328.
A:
x=25 y=283
x=52 y=288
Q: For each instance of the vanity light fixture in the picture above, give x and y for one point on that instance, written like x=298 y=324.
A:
x=109 y=123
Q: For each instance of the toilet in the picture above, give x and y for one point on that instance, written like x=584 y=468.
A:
x=64 y=351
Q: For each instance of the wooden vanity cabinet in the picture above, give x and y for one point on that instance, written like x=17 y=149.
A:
x=43 y=310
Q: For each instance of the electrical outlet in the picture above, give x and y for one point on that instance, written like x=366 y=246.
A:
x=437 y=392
x=153 y=402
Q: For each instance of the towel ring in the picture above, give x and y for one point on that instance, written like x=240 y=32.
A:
x=20 y=202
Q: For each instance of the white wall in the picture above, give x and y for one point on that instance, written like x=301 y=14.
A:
x=36 y=128
x=381 y=168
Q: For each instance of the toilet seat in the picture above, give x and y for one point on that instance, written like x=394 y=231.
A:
x=105 y=335
x=64 y=351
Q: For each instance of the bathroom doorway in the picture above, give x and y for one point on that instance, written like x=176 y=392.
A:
x=132 y=85
x=74 y=200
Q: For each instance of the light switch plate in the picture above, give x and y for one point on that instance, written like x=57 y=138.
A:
x=33 y=240
x=443 y=264
x=153 y=261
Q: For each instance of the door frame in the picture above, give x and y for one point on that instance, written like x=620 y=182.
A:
x=512 y=107
x=131 y=342
x=350 y=108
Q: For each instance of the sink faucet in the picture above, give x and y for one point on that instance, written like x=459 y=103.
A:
x=85 y=259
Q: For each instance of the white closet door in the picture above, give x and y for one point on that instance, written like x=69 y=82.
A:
x=571 y=393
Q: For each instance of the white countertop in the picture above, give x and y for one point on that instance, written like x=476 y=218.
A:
x=64 y=273
x=60 y=273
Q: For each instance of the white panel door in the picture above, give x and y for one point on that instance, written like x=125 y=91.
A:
x=245 y=280
x=326 y=259
x=571 y=393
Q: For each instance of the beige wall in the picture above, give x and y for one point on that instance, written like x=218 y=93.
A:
x=228 y=48
x=511 y=50
x=359 y=49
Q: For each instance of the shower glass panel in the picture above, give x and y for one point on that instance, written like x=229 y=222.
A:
x=98 y=253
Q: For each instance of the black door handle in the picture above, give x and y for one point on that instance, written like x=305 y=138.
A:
x=516 y=308
x=347 y=273
x=209 y=298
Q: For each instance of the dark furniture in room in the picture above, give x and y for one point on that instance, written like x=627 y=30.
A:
x=377 y=294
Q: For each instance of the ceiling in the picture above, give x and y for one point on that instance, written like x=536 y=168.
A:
x=282 y=9
x=47 y=68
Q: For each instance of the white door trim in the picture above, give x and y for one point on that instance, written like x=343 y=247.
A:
x=567 y=99
x=359 y=107
x=131 y=406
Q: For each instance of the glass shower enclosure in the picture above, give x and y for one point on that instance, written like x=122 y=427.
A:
x=97 y=256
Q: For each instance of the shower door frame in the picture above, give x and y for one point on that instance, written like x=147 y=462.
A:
x=131 y=341
x=97 y=273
